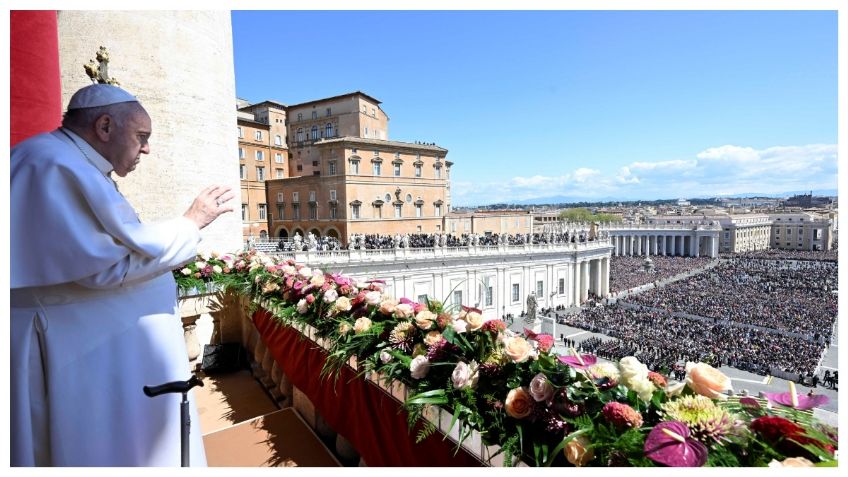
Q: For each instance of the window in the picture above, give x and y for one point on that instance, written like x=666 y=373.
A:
x=258 y=135
x=328 y=130
x=300 y=116
x=354 y=211
x=438 y=211
x=515 y=293
x=438 y=172
x=241 y=153
x=373 y=112
x=329 y=112
x=314 y=163
x=561 y=286
x=489 y=296
x=397 y=170
x=281 y=212
x=366 y=132
x=280 y=197
x=313 y=211
x=244 y=214
x=457 y=297
x=260 y=173
x=312 y=196
x=260 y=155
x=242 y=172
x=331 y=168
x=378 y=212
x=299 y=134
x=422 y=299
x=418 y=210
x=263 y=211
x=417 y=170
x=278 y=173
x=378 y=167
x=354 y=167
x=314 y=133
x=278 y=141
x=540 y=288
x=314 y=114
x=295 y=196
x=278 y=158
x=296 y=211
x=332 y=194
x=240 y=133
x=333 y=212
x=398 y=211
x=408 y=198
x=353 y=151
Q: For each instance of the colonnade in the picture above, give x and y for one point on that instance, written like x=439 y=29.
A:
x=664 y=243
x=591 y=276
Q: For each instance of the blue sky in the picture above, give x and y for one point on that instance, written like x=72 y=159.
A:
x=587 y=105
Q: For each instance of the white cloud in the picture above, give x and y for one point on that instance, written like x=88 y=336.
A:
x=726 y=169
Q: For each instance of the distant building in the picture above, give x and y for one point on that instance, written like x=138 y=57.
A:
x=801 y=231
x=744 y=232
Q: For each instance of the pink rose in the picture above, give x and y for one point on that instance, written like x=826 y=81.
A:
x=540 y=388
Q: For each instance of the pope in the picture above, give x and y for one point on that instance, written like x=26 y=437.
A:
x=94 y=315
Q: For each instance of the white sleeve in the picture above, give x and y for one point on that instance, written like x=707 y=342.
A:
x=181 y=237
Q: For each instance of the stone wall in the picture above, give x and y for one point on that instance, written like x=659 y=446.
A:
x=180 y=65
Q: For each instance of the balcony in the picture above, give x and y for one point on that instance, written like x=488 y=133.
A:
x=258 y=417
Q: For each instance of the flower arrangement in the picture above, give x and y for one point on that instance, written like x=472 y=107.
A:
x=511 y=388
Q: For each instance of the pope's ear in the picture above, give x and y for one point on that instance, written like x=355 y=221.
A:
x=104 y=126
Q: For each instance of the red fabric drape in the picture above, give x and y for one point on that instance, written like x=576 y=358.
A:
x=365 y=415
x=34 y=82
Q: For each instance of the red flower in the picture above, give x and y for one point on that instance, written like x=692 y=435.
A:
x=546 y=342
x=785 y=436
x=658 y=379
x=621 y=415
x=493 y=326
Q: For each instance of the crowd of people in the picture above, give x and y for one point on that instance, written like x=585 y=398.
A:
x=777 y=254
x=663 y=341
x=629 y=272
x=787 y=296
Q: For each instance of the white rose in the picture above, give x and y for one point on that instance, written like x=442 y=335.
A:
x=344 y=328
x=205 y=255
x=342 y=304
x=403 y=311
x=302 y=306
x=465 y=375
x=185 y=271
x=217 y=269
x=432 y=338
x=317 y=280
x=459 y=326
x=540 y=388
x=330 y=296
x=305 y=272
x=425 y=319
x=200 y=264
x=385 y=356
x=634 y=375
x=419 y=367
x=474 y=320
x=361 y=325
x=373 y=298
x=289 y=270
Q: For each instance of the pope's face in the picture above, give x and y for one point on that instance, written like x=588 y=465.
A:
x=130 y=142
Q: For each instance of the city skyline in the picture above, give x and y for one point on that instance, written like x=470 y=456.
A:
x=595 y=105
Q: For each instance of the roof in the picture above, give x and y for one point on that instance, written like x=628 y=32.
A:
x=381 y=142
x=355 y=93
x=267 y=102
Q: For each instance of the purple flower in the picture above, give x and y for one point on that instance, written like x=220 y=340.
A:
x=804 y=402
x=749 y=402
x=340 y=279
x=406 y=301
x=669 y=444
x=581 y=362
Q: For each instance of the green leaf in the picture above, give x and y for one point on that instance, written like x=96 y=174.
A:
x=435 y=396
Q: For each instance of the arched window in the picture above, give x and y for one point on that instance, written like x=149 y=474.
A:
x=314 y=132
x=328 y=130
x=299 y=134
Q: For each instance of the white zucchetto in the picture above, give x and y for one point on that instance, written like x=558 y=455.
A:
x=96 y=95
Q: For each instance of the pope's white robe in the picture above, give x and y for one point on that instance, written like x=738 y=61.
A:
x=94 y=316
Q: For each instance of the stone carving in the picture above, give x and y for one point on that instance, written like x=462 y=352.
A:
x=312 y=242
x=298 y=241
x=99 y=71
x=531 y=309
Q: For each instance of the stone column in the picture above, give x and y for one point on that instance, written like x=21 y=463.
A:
x=697 y=245
x=584 y=282
x=599 y=279
x=578 y=274
x=605 y=268
x=682 y=244
x=656 y=243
